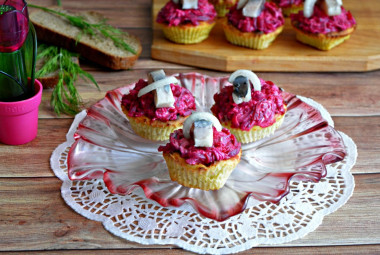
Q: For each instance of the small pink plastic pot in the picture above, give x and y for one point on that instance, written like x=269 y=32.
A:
x=19 y=120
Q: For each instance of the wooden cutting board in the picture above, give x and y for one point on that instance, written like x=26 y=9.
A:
x=360 y=53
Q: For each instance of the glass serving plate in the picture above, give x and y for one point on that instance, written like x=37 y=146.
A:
x=106 y=147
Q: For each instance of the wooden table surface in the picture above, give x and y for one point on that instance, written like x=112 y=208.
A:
x=35 y=219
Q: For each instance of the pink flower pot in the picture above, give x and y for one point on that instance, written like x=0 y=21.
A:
x=19 y=120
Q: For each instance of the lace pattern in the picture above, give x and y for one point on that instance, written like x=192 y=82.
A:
x=136 y=218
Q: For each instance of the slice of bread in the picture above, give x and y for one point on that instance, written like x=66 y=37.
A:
x=56 y=30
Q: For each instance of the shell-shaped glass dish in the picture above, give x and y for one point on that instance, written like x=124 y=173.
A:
x=106 y=147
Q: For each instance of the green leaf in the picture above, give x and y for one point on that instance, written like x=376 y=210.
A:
x=65 y=98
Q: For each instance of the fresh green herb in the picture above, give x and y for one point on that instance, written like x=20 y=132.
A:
x=65 y=97
x=102 y=27
x=59 y=3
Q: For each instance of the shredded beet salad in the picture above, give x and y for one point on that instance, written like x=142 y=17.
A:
x=269 y=20
x=138 y=106
x=261 y=110
x=288 y=3
x=225 y=146
x=172 y=15
x=322 y=23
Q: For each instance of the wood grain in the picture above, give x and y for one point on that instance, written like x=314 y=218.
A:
x=128 y=14
x=359 y=53
x=346 y=250
x=33 y=159
x=52 y=132
x=348 y=94
x=35 y=217
x=366 y=134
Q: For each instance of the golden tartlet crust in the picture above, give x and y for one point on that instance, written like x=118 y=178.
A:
x=200 y=176
x=188 y=34
x=153 y=129
x=254 y=41
x=255 y=133
x=322 y=41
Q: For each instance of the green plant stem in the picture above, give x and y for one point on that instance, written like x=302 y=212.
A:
x=93 y=29
x=65 y=98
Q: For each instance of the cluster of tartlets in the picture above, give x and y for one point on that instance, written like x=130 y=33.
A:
x=255 y=24
x=203 y=148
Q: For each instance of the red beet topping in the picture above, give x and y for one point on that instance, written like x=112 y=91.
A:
x=269 y=20
x=223 y=2
x=288 y=3
x=260 y=111
x=172 y=14
x=144 y=105
x=225 y=146
x=322 y=23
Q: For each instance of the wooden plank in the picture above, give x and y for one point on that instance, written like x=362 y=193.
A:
x=35 y=217
x=365 y=132
x=32 y=159
x=347 y=94
x=346 y=250
x=359 y=53
x=132 y=18
x=156 y=64
x=128 y=14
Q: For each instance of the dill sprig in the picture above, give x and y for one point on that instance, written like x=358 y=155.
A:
x=108 y=31
x=65 y=97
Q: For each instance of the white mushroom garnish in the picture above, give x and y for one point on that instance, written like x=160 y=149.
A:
x=330 y=7
x=308 y=8
x=251 y=8
x=203 y=132
x=241 y=80
x=163 y=96
x=187 y=4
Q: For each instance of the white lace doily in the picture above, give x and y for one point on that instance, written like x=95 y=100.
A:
x=135 y=218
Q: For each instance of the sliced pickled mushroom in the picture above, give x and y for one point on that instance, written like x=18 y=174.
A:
x=252 y=8
x=203 y=133
x=202 y=128
x=187 y=4
x=163 y=96
x=242 y=89
x=330 y=7
x=308 y=8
